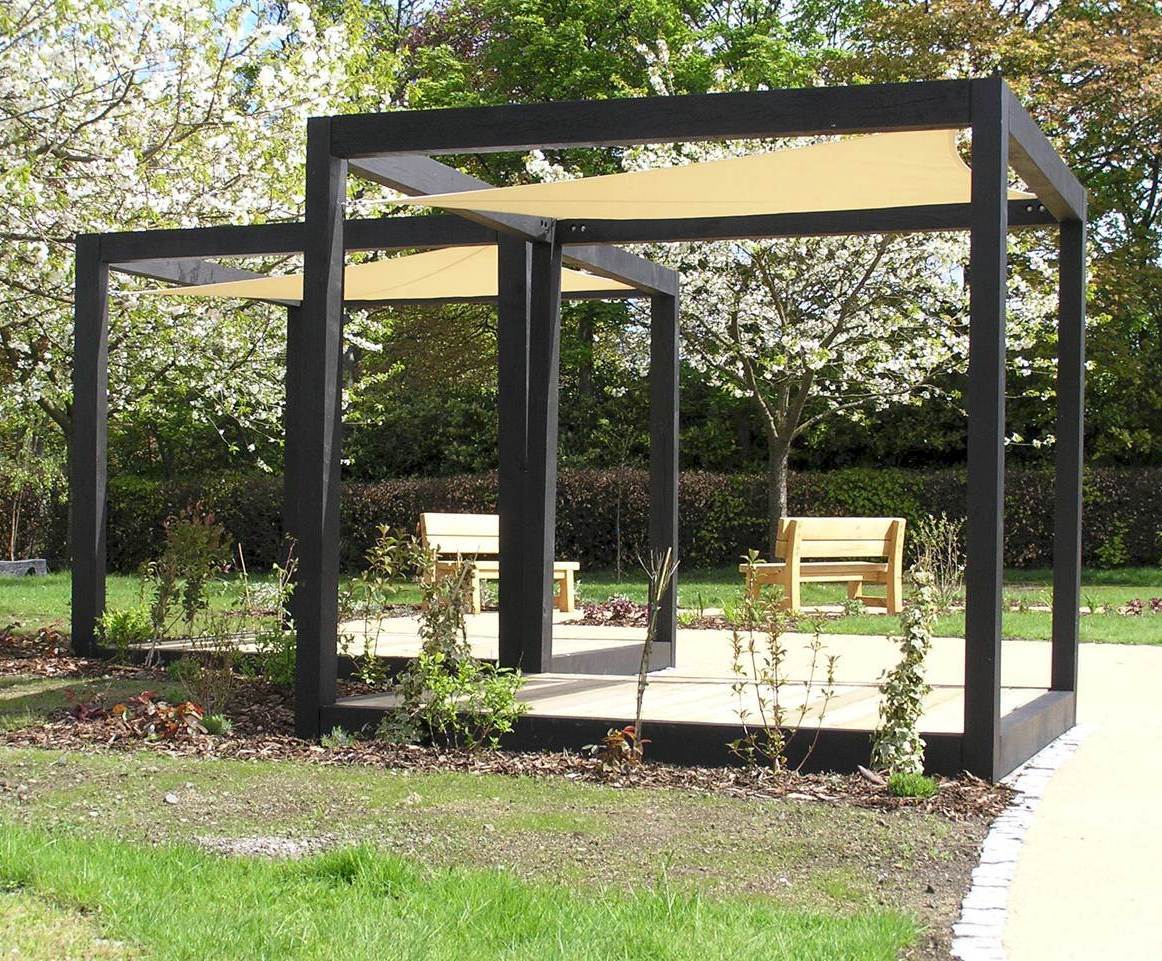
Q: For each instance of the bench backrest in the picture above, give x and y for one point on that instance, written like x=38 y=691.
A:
x=841 y=537
x=475 y=535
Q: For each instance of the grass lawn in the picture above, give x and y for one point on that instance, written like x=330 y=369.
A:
x=721 y=587
x=418 y=865
x=177 y=902
x=38 y=601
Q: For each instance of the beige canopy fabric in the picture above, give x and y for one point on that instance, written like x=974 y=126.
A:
x=915 y=168
x=451 y=273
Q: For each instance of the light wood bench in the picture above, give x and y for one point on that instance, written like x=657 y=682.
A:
x=835 y=549
x=456 y=538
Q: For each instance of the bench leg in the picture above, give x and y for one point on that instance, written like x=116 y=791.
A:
x=566 y=595
x=895 y=592
x=794 y=597
x=855 y=590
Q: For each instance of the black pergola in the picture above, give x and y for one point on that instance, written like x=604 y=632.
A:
x=396 y=149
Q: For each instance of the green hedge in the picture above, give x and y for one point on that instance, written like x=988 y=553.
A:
x=721 y=515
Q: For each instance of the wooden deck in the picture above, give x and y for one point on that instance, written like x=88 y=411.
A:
x=702 y=689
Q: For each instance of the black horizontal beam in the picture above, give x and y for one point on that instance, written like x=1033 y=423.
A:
x=614 y=263
x=1033 y=157
x=619 y=293
x=1029 y=728
x=187 y=273
x=811 y=111
x=887 y=220
x=264 y=240
x=677 y=742
x=417 y=176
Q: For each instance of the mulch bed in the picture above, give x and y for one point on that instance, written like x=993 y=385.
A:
x=263 y=722
x=622 y=612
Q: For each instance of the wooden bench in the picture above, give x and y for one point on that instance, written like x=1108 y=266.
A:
x=835 y=549
x=456 y=538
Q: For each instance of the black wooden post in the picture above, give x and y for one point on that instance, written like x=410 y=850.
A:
x=664 y=462
x=513 y=266
x=1070 y=452
x=528 y=348
x=984 y=567
x=317 y=370
x=541 y=472
x=88 y=442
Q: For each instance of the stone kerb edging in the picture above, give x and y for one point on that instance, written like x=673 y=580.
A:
x=977 y=936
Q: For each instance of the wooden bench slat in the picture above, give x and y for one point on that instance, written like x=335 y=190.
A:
x=847 y=528
x=829 y=549
x=837 y=548
x=469 y=536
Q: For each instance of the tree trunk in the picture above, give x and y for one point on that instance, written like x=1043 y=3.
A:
x=777 y=455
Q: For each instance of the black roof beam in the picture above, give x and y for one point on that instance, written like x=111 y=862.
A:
x=810 y=111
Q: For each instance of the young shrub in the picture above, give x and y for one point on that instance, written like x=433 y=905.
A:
x=760 y=671
x=207 y=676
x=177 y=581
x=911 y=784
x=390 y=562
x=337 y=737
x=445 y=691
x=938 y=544
x=124 y=628
x=217 y=724
x=896 y=744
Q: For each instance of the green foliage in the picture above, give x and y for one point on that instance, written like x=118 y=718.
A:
x=722 y=513
x=31 y=482
x=463 y=703
x=217 y=724
x=445 y=692
x=911 y=784
x=337 y=737
x=274 y=656
x=938 y=547
x=179 y=901
x=761 y=683
x=368 y=598
x=122 y=628
x=896 y=743
x=1111 y=552
x=195 y=550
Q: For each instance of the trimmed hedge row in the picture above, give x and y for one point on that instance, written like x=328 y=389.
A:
x=601 y=510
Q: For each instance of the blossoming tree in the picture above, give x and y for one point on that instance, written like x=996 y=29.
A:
x=162 y=113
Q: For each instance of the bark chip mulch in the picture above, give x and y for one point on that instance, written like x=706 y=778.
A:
x=263 y=724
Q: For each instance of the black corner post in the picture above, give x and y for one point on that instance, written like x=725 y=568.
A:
x=664 y=463
x=528 y=348
x=984 y=565
x=88 y=442
x=1070 y=442
x=540 y=508
x=512 y=348
x=315 y=369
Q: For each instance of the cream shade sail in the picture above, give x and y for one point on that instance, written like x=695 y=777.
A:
x=915 y=168
x=451 y=273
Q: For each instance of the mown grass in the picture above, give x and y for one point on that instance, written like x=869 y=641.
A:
x=582 y=834
x=35 y=929
x=39 y=601
x=177 y=902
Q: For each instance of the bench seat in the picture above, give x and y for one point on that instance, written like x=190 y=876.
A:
x=845 y=542
x=456 y=538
